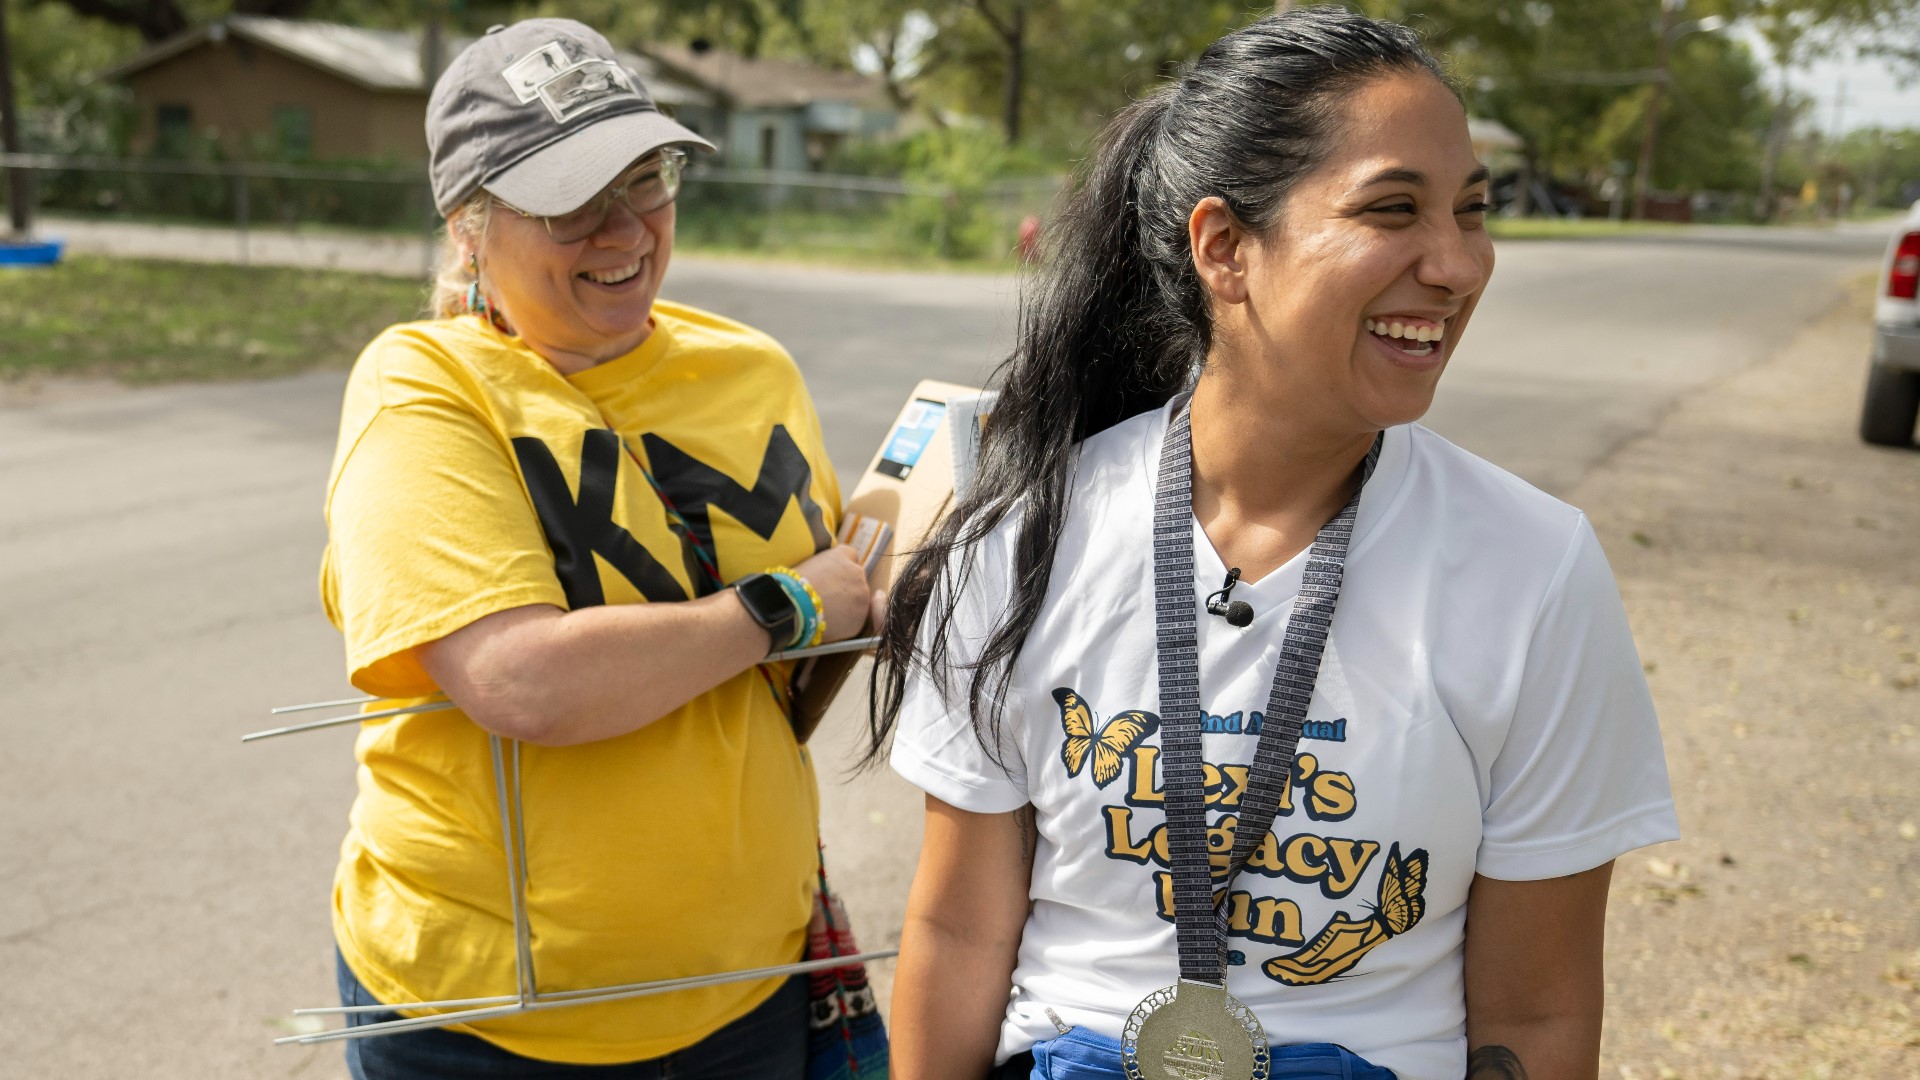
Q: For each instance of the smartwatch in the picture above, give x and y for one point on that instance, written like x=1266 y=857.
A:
x=767 y=601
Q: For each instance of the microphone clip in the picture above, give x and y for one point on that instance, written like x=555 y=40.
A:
x=1221 y=603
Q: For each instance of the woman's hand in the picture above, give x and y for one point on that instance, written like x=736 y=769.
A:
x=836 y=574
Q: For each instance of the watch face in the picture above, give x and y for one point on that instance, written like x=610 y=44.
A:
x=766 y=601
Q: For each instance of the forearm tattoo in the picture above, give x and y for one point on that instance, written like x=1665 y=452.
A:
x=1495 y=1063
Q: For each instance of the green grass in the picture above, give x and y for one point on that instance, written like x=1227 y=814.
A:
x=866 y=237
x=1571 y=228
x=141 y=321
x=822 y=253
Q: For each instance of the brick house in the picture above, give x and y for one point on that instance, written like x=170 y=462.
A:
x=299 y=89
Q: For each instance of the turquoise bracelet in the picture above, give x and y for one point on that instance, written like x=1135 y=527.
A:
x=807 y=624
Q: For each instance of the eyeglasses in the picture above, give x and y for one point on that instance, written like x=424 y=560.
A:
x=645 y=188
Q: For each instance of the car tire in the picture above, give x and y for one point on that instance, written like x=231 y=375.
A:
x=1892 y=406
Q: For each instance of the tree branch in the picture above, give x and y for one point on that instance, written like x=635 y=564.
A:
x=1000 y=28
x=279 y=9
x=155 y=20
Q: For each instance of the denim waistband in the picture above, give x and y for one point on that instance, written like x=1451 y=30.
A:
x=1084 y=1055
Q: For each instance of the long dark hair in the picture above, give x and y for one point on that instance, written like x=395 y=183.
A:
x=1118 y=319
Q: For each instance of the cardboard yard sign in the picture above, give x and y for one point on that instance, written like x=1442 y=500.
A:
x=930 y=452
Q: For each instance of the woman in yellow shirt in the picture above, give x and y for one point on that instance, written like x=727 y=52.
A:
x=571 y=507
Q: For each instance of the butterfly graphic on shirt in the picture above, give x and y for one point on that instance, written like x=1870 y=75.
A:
x=1107 y=744
x=1344 y=940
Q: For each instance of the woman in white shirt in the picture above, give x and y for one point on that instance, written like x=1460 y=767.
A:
x=1299 y=219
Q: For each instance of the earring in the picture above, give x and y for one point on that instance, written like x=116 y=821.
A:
x=476 y=303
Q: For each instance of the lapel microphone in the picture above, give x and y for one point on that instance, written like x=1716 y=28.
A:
x=1221 y=603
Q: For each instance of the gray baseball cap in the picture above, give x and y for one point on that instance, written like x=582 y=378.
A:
x=542 y=114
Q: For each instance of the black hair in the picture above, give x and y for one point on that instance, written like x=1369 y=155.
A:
x=1117 y=319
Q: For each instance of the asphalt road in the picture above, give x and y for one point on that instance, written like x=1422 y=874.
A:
x=166 y=888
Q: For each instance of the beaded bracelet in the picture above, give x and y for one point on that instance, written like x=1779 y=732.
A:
x=819 y=628
x=811 y=626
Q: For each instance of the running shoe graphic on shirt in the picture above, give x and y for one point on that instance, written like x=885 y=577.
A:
x=1344 y=940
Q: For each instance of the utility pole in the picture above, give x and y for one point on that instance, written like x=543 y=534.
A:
x=433 y=45
x=1643 y=179
x=1016 y=70
x=17 y=179
x=1770 y=161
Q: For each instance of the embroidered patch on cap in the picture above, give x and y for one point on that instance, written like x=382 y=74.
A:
x=584 y=87
x=527 y=74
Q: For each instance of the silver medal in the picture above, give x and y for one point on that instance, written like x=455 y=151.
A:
x=1193 y=1031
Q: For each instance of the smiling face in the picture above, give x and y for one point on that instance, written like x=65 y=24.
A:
x=582 y=303
x=1351 y=304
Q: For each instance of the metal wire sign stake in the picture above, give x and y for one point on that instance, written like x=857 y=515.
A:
x=526 y=997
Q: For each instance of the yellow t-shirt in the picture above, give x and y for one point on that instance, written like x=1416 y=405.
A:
x=472 y=477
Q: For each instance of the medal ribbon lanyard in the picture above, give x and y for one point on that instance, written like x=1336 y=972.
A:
x=1200 y=924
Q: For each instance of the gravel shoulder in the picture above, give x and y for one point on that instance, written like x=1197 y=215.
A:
x=1768 y=562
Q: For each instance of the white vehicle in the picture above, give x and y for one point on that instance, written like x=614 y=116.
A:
x=1893 y=381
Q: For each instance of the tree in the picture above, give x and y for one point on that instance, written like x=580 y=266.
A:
x=1077 y=61
x=56 y=53
x=747 y=27
x=156 y=20
x=1716 y=115
x=981 y=45
x=17 y=199
x=1885 y=165
x=1552 y=70
x=892 y=36
x=887 y=38
x=1797 y=32
x=1576 y=79
x=1009 y=25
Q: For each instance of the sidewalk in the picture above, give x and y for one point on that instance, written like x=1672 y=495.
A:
x=1771 y=565
x=393 y=254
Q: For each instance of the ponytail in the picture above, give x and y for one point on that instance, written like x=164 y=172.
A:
x=1118 y=320
x=1085 y=360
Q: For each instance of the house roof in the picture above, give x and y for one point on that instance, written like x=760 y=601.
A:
x=763 y=83
x=375 y=59
x=1489 y=135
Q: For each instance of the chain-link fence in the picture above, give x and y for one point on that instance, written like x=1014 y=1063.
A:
x=731 y=209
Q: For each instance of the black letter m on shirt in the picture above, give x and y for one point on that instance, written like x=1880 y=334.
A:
x=784 y=477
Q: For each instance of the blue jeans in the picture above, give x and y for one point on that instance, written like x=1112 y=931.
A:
x=770 y=1042
x=1082 y=1055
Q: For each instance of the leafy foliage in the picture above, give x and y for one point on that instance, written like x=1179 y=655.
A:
x=1882 y=166
x=1573 y=77
x=55 y=54
x=1799 y=31
x=957 y=224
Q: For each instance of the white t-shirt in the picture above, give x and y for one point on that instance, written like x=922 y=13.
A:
x=1480 y=709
